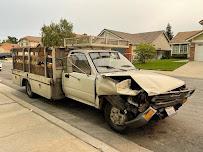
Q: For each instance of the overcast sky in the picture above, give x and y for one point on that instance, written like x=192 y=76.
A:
x=26 y=17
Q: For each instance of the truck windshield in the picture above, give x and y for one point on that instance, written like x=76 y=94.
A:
x=110 y=62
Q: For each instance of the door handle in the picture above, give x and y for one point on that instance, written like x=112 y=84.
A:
x=67 y=75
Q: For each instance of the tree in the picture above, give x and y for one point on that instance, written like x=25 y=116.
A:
x=11 y=39
x=54 y=34
x=145 y=51
x=169 y=32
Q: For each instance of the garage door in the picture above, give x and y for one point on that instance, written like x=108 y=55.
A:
x=199 y=52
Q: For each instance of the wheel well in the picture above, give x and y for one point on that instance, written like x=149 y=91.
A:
x=24 y=82
x=103 y=103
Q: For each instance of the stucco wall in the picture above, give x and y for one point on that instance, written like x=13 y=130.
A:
x=161 y=43
x=109 y=35
x=3 y=51
x=25 y=43
x=200 y=37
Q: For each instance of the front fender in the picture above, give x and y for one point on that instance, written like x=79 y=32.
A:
x=108 y=86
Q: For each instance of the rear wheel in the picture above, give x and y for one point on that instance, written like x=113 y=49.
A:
x=29 y=90
x=115 y=118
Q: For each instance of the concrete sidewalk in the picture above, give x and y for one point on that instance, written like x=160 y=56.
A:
x=24 y=127
x=189 y=70
x=21 y=130
x=192 y=69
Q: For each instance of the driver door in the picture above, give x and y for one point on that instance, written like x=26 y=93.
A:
x=78 y=81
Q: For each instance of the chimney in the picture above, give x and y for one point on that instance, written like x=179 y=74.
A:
x=201 y=22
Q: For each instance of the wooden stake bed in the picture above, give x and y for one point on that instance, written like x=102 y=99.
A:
x=41 y=61
x=42 y=67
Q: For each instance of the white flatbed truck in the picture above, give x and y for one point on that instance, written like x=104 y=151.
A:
x=88 y=71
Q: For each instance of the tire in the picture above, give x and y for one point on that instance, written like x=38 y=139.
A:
x=120 y=128
x=29 y=90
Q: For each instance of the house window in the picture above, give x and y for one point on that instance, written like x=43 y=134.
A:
x=176 y=49
x=183 y=49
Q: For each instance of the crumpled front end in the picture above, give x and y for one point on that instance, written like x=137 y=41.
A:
x=159 y=104
x=141 y=96
x=171 y=98
x=152 y=83
x=109 y=86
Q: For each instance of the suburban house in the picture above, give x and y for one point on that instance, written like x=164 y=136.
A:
x=29 y=41
x=188 y=45
x=157 y=38
x=5 y=49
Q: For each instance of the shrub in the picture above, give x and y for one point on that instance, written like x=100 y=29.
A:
x=145 y=51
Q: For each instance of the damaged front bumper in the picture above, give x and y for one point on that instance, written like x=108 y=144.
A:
x=171 y=98
x=142 y=118
x=159 y=103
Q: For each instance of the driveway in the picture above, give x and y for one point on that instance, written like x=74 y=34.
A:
x=192 y=69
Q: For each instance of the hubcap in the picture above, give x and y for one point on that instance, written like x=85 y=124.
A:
x=117 y=117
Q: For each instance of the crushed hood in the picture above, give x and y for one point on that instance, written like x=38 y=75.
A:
x=152 y=83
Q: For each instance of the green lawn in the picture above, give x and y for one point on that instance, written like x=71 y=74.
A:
x=161 y=65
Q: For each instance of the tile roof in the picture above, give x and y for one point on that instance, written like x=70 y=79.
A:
x=181 y=37
x=32 y=39
x=8 y=46
x=146 y=37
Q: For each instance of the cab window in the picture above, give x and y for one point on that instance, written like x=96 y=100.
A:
x=80 y=63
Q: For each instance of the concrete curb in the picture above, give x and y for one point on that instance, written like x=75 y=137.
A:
x=103 y=147
x=96 y=143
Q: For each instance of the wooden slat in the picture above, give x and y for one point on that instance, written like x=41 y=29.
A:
x=45 y=62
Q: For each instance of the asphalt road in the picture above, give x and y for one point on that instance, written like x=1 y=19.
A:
x=180 y=133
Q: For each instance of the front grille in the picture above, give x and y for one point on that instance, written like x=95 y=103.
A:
x=169 y=99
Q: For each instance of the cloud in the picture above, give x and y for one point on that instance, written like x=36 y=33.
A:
x=26 y=17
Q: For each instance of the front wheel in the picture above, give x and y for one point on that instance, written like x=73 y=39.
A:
x=29 y=90
x=115 y=118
